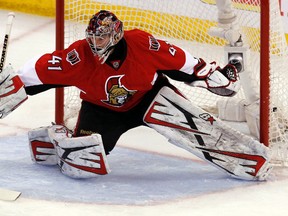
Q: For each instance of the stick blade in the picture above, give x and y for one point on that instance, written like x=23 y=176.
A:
x=9 y=195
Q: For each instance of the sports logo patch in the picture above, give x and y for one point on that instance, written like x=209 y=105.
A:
x=117 y=94
x=73 y=57
x=207 y=117
x=154 y=44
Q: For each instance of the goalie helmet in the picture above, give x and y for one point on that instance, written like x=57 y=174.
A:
x=104 y=31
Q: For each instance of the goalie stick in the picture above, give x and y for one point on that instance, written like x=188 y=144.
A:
x=7 y=195
x=9 y=23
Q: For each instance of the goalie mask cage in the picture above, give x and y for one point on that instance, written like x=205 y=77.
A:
x=186 y=23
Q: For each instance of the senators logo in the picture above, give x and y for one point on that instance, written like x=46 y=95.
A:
x=117 y=94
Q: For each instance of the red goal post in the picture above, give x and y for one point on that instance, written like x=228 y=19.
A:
x=186 y=24
x=60 y=44
x=265 y=71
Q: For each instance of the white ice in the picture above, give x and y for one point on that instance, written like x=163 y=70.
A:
x=149 y=176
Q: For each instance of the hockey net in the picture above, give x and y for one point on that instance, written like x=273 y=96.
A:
x=186 y=23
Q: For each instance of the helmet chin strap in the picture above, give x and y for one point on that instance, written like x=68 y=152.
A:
x=105 y=55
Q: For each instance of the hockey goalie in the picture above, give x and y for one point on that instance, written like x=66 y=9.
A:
x=123 y=78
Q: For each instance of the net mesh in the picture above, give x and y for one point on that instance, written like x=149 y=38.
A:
x=186 y=23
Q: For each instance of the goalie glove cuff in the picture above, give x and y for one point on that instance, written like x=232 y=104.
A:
x=202 y=70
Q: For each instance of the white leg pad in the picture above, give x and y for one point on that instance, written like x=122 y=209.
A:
x=41 y=149
x=232 y=109
x=252 y=112
x=197 y=131
x=80 y=157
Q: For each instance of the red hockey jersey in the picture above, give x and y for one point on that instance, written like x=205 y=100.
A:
x=120 y=87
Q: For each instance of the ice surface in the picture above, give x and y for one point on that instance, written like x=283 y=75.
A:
x=149 y=176
x=137 y=177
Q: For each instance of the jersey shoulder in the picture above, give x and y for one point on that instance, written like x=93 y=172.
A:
x=80 y=50
x=136 y=32
x=139 y=39
x=79 y=44
x=159 y=52
x=137 y=36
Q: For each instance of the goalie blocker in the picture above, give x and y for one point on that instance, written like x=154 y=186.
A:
x=12 y=92
x=197 y=131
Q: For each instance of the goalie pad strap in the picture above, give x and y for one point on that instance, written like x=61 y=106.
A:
x=195 y=130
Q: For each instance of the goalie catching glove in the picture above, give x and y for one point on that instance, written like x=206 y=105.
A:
x=220 y=81
x=12 y=92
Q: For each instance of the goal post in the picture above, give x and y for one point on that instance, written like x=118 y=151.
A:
x=187 y=24
x=60 y=45
x=264 y=68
